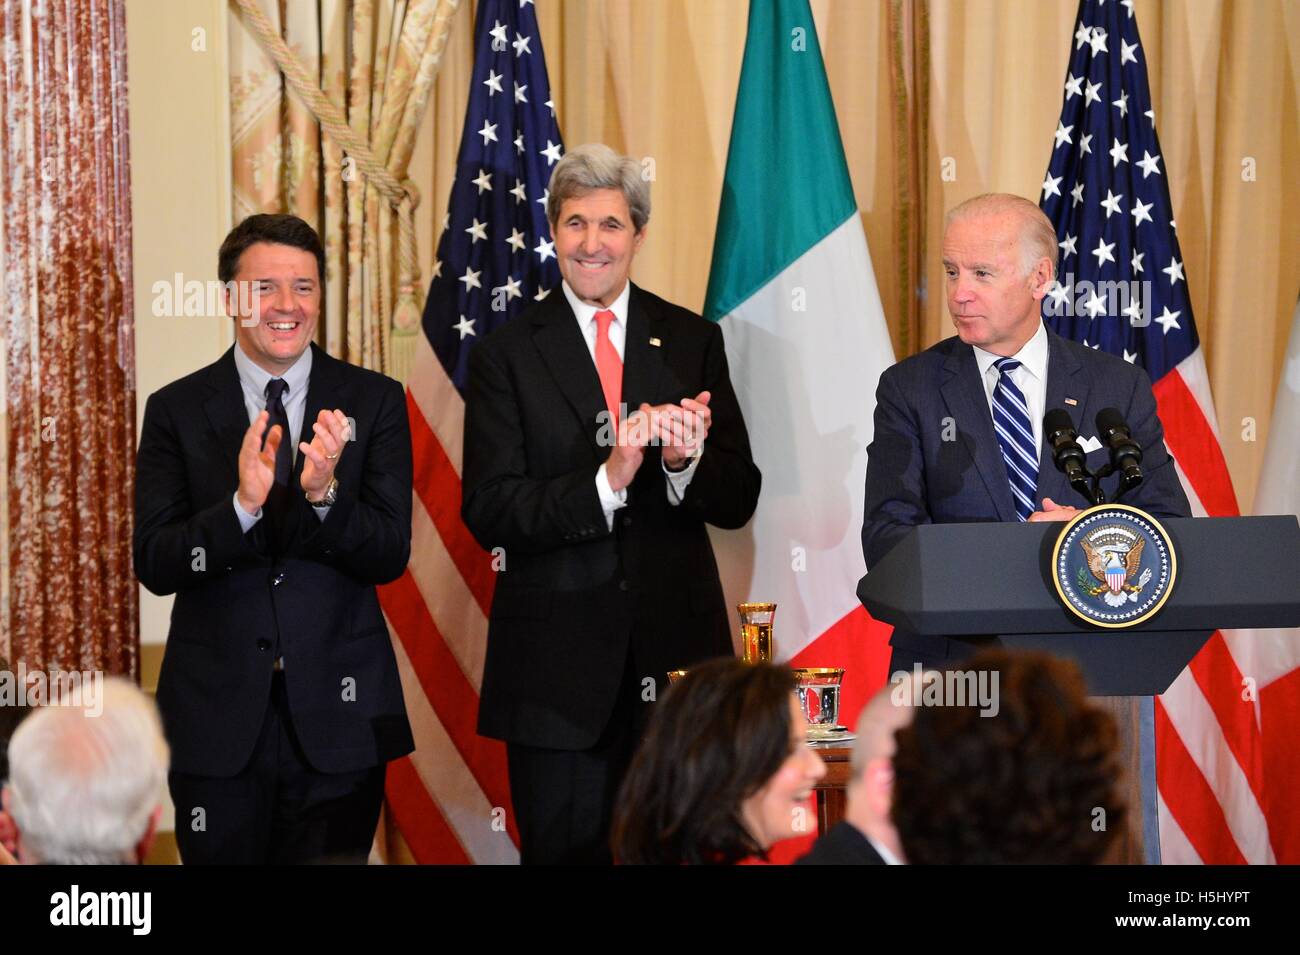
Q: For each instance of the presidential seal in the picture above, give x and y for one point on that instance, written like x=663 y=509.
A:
x=1113 y=566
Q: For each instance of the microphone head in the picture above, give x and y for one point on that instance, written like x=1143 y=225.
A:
x=1109 y=420
x=1057 y=420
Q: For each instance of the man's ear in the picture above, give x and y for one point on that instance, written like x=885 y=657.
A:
x=150 y=831
x=639 y=238
x=1040 y=279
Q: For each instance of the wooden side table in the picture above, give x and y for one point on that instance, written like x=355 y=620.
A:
x=832 y=789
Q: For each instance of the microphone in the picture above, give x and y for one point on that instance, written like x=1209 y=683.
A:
x=1125 y=453
x=1058 y=429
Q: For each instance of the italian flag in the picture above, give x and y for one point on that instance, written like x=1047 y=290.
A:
x=792 y=285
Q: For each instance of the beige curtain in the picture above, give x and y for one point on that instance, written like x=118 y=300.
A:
x=920 y=81
x=375 y=60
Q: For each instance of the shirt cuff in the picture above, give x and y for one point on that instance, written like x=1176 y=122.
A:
x=246 y=520
x=678 y=481
x=610 y=499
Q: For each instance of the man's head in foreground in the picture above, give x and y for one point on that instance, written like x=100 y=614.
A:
x=87 y=789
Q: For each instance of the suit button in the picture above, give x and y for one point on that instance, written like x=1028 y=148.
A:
x=264 y=645
x=622 y=585
x=627 y=520
x=278 y=579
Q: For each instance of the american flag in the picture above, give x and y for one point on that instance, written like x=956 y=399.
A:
x=450 y=798
x=1107 y=194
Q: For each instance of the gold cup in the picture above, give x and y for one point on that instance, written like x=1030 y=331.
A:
x=756 y=640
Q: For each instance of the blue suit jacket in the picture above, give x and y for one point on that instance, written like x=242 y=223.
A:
x=914 y=476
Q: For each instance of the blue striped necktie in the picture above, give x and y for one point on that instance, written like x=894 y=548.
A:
x=1016 y=436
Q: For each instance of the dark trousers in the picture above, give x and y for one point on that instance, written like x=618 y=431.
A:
x=278 y=810
x=564 y=799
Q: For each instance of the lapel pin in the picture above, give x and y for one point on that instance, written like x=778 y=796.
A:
x=1071 y=401
x=656 y=342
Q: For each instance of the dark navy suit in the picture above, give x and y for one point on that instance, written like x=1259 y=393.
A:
x=915 y=476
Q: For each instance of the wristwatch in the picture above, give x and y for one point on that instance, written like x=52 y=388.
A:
x=331 y=495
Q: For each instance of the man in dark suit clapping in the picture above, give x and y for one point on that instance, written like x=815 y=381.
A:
x=602 y=435
x=273 y=492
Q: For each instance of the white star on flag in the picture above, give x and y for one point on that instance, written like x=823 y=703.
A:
x=498 y=32
x=1148 y=164
x=1063 y=135
x=516 y=240
x=1168 y=320
x=1069 y=246
x=478 y=230
x=1111 y=202
x=1122 y=103
x=519 y=93
x=1103 y=252
x=493 y=82
x=551 y=152
x=1141 y=212
x=1073 y=86
x=1118 y=152
x=1095 y=305
x=544 y=249
x=1077 y=193
x=511 y=288
x=1133 y=311
x=1058 y=293
x=519 y=143
x=1127 y=52
x=484 y=182
x=1085 y=144
x=1174 y=271
x=1050 y=186
x=521 y=44
x=488 y=132
x=465 y=326
x=470 y=278
x=1098 y=41
x=1137 y=262
x=519 y=191
x=1090 y=95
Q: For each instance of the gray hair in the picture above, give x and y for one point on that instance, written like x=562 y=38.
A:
x=82 y=787
x=1037 y=235
x=595 y=166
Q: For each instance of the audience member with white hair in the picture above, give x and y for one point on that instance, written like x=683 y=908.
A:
x=86 y=778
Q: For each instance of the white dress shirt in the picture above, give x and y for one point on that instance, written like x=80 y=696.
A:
x=252 y=382
x=1030 y=378
x=676 y=481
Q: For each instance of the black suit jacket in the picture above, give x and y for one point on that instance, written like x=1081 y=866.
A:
x=917 y=475
x=312 y=588
x=574 y=599
x=844 y=844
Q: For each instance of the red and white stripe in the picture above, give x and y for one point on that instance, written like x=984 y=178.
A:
x=450 y=798
x=1214 y=781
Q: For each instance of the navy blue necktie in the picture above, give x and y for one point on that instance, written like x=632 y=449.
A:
x=1016 y=436
x=276 y=389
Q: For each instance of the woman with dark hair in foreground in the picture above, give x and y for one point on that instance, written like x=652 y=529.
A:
x=724 y=771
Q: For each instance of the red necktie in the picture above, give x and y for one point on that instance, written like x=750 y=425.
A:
x=608 y=365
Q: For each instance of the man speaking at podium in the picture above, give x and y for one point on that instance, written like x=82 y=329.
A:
x=958 y=428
